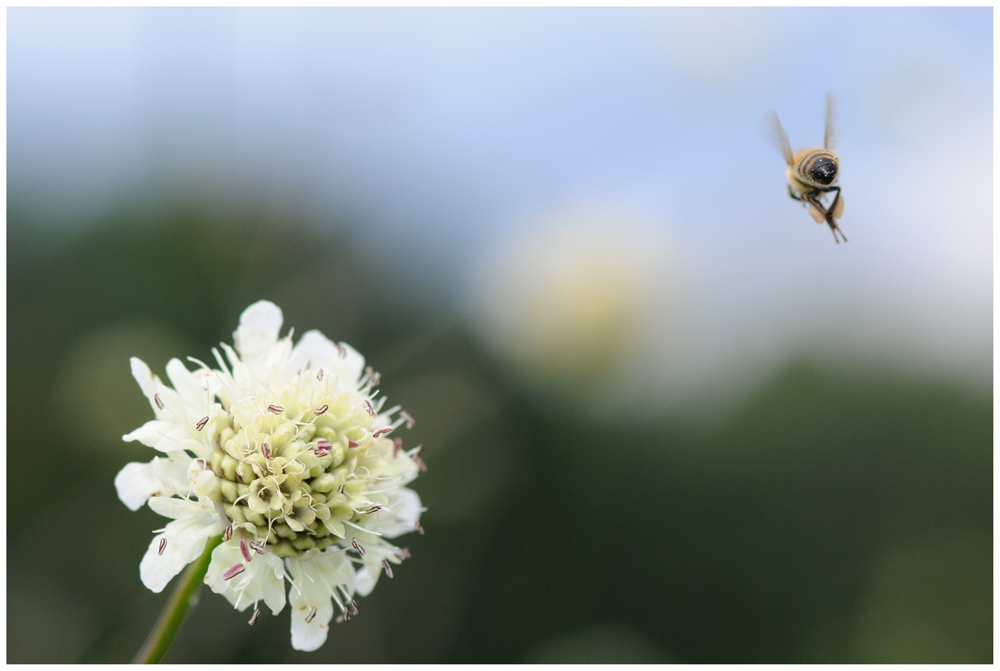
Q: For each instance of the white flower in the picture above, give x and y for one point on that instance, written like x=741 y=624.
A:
x=285 y=452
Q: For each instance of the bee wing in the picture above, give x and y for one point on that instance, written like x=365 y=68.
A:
x=829 y=139
x=777 y=135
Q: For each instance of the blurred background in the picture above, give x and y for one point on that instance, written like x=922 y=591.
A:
x=666 y=418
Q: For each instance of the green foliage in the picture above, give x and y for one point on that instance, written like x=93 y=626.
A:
x=760 y=539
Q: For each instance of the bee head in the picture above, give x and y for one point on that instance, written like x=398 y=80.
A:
x=823 y=171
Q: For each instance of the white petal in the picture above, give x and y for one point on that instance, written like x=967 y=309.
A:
x=258 y=330
x=152 y=387
x=273 y=589
x=144 y=376
x=403 y=512
x=314 y=349
x=162 y=435
x=365 y=579
x=263 y=578
x=175 y=508
x=314 y=577
x=191 y=387
x=351 y=366
x=186 y=539
x=309 y=636
x=136 y=483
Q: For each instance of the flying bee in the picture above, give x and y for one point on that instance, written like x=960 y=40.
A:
x=812 y=173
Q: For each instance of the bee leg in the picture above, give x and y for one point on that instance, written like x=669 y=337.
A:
x=830 y=217
x=826 y=215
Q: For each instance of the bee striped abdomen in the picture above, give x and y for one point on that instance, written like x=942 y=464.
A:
x=816 y=167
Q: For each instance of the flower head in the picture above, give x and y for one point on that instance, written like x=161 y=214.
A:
x=288 y=454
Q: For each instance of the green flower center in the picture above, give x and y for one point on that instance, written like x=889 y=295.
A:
x=297 y=468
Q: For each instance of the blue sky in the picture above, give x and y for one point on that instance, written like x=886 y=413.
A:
x=454 y=130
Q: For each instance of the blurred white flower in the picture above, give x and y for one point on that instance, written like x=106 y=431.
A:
x=285 y=452
x=576 y=295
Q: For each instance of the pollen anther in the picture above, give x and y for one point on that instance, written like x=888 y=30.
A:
x=233 y=571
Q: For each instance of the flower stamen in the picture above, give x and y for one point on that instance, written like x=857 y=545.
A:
x=233 y=571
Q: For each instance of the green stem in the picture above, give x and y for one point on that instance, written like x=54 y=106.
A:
x=180 y=603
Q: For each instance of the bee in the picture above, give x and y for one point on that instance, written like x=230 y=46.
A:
x=812 y=173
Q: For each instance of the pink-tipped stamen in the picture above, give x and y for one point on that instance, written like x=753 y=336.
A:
x=233 y=571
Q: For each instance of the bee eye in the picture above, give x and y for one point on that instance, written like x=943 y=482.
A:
x=824 y=171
